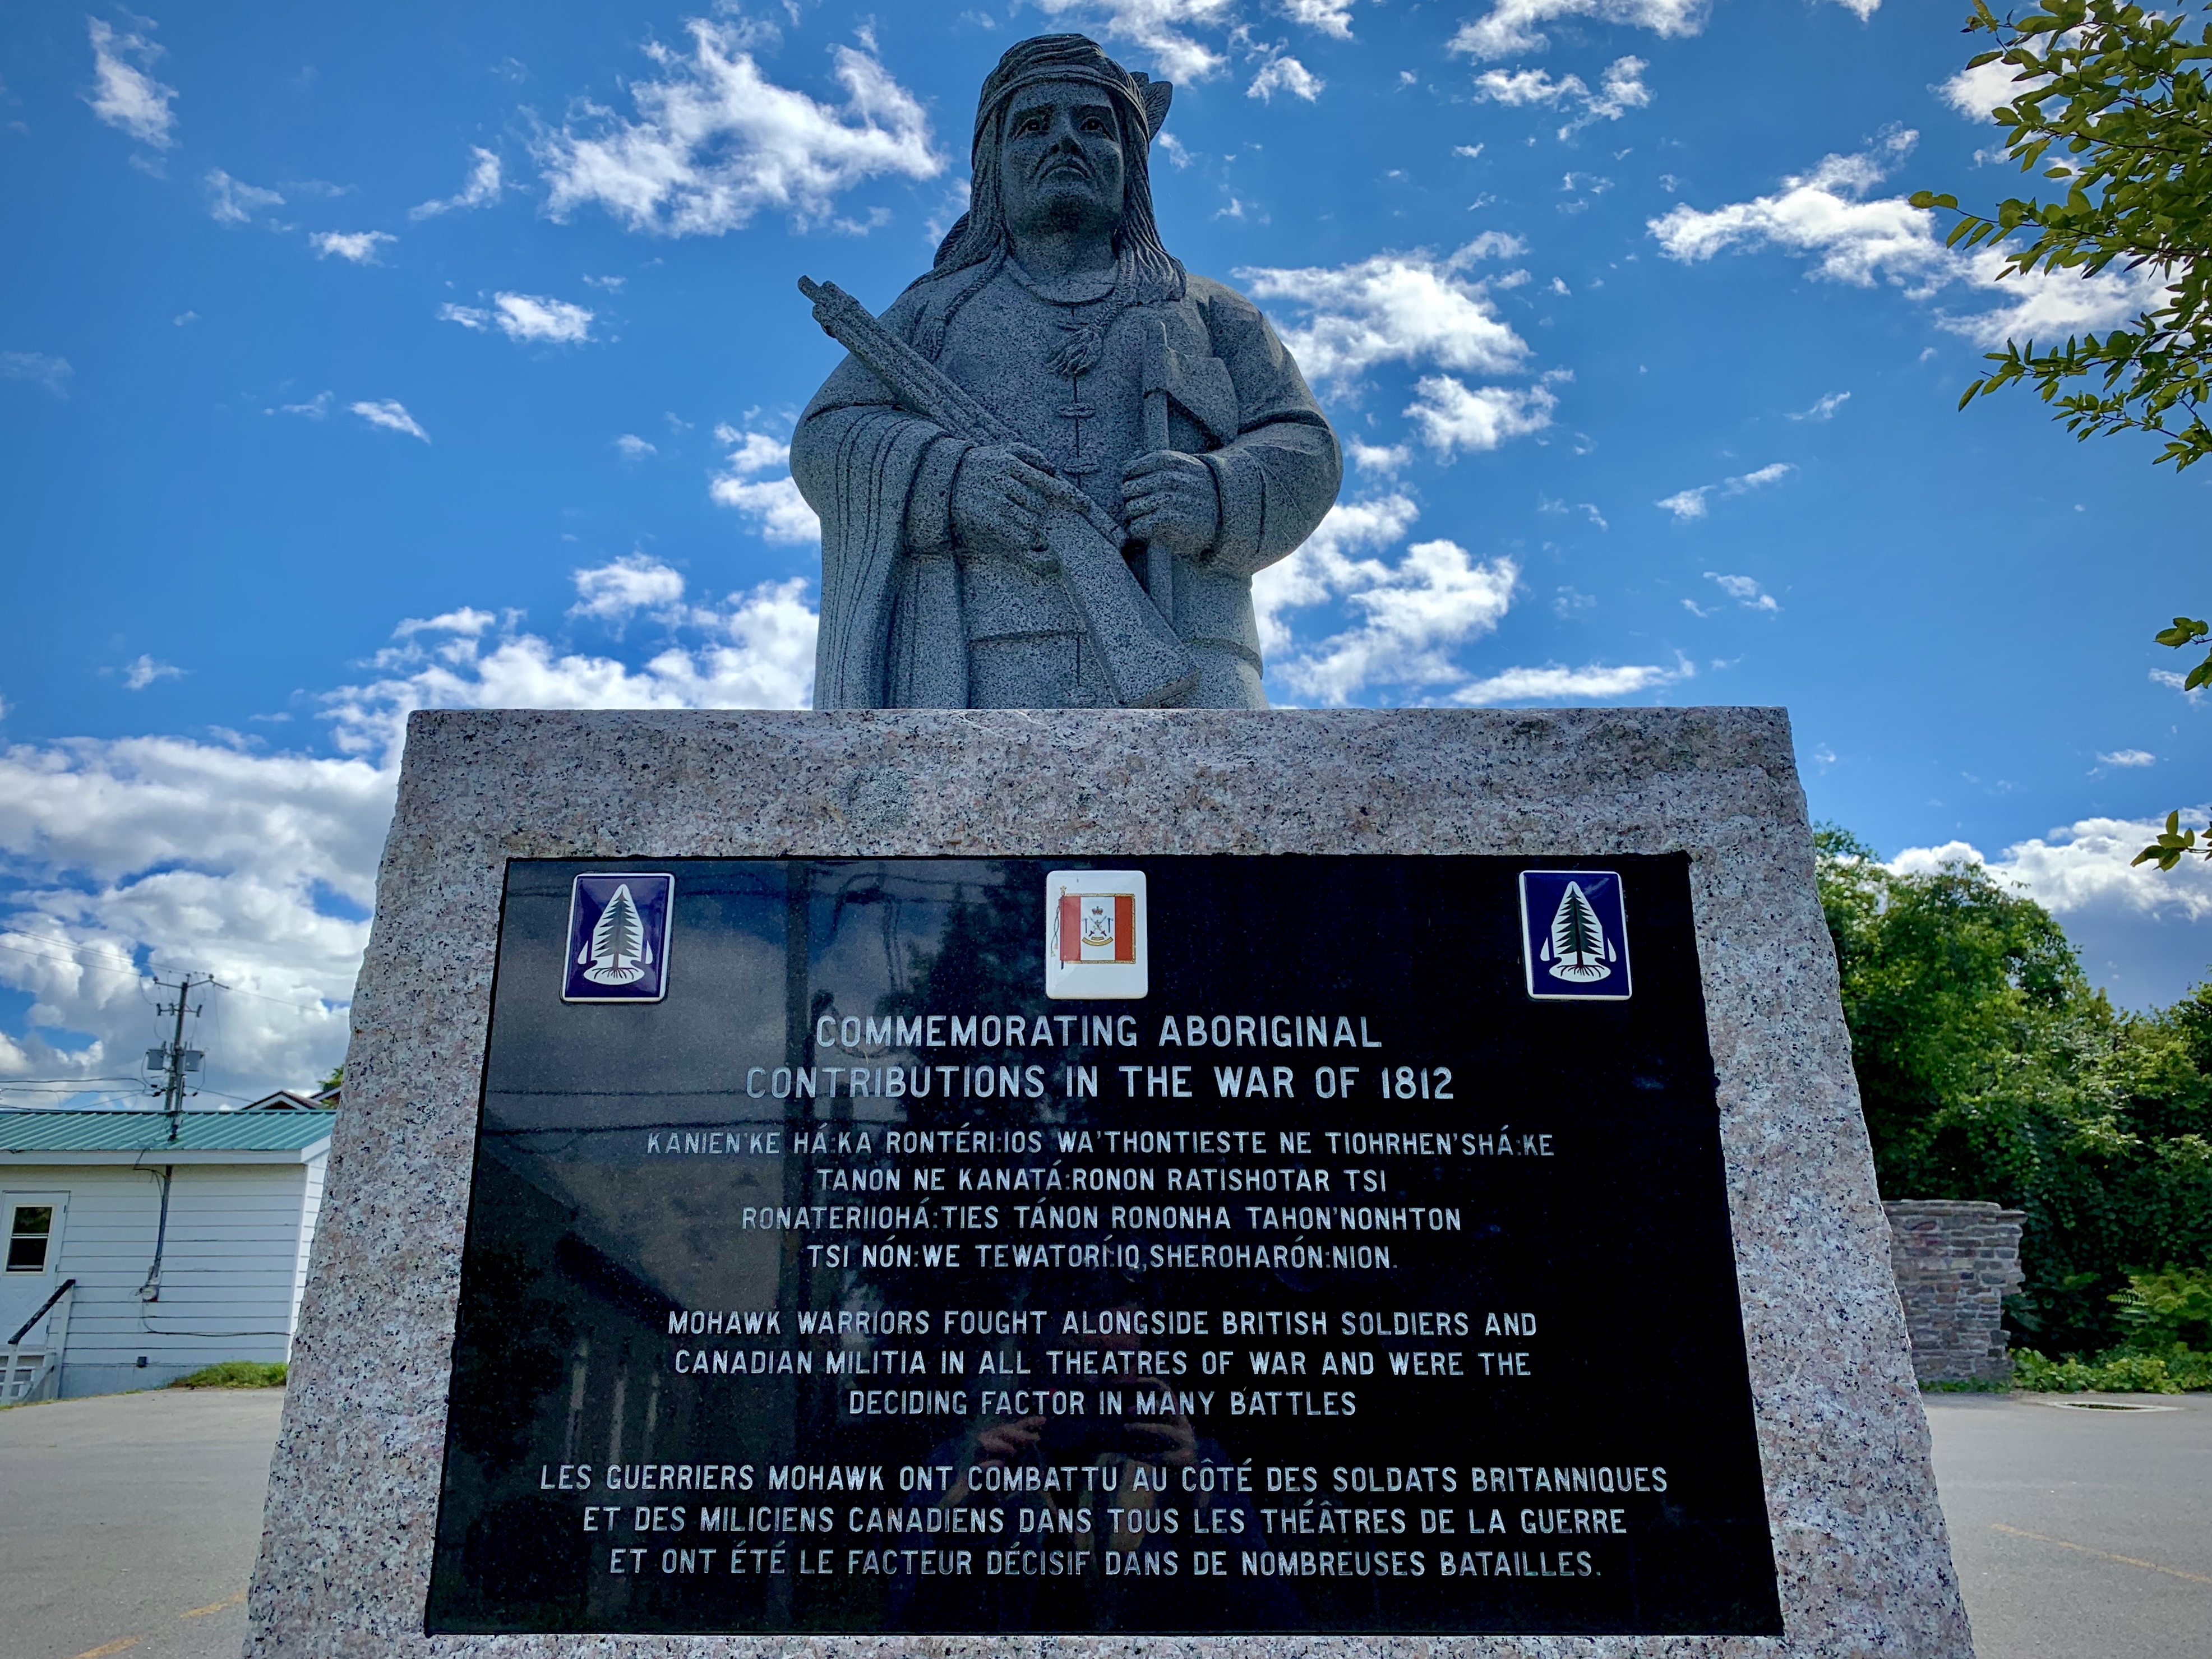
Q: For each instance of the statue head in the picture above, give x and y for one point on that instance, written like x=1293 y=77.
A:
x=1062 y=133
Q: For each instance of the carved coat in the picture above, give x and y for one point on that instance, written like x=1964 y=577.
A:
x=911 y=619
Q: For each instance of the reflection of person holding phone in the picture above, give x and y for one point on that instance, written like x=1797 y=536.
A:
x=1127 y=1513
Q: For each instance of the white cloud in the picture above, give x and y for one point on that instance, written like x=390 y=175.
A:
x=482 y=189
x=533 y=317
x=1620 y=90
x=634 y=448
x=1824 y=214
x=1383 y=459
x=756 y=481
x=1689 y=504
x=1406 y=307
x=234 y=202
x=2052 y=304
x=163 y=855
x=1745 y=592
x=615 y=592
x=1545 y=504
x=2134 y=926
x=1823 y=409
x=1324 y=566
x=1516 y=26
x=754 y=650
x=715 y=142
x=1975 y=92
x=2128 y=758
x=358 y=246
x=1862 y=10
x=1330 y=17
x=1819 y=213
x=153 y=854
x=1159 y=29
x=525 y=317
x=1453 y=417
x=138 y=675
x=1433 y=598
x=125 y=95
x=52 y=373
x=1773 y=472
x=1553 y=684
x=1284 y=74
x=392 y=415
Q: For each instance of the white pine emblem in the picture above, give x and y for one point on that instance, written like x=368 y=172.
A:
x=619 y=951
x=1577 y=949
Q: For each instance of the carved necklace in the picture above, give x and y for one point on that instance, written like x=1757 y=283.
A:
x=1080 y=352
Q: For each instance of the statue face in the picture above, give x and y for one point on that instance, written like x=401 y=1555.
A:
x=1060 y=159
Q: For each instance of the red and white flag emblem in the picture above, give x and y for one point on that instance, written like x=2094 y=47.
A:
x=1095 y=934
x=1097 y=928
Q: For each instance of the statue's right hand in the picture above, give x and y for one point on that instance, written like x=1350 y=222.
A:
x=999 y=497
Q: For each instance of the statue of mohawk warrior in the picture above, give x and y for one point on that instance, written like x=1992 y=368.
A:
x=1047 y=474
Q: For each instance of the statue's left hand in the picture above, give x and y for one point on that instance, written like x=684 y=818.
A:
x=1172 y=502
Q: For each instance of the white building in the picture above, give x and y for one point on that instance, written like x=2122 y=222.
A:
x=135 y=1256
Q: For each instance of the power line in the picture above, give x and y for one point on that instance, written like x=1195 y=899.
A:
x=57 y=1082
x=72 y=956
x=136 y=972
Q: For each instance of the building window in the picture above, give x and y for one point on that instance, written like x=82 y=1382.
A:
x=28 y=1235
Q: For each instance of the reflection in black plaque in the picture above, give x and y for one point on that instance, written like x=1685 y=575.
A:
x=1291 y=1267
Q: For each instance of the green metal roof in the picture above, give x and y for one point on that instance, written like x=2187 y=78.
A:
x=131 y=1132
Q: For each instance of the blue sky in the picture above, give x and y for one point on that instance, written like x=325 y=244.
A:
x=356 y=358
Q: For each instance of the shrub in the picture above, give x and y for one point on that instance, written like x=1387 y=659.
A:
x=2177 y=1370
x=234 y=1373
x=2159 y=1310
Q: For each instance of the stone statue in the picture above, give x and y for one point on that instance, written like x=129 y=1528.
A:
x=1047 y=473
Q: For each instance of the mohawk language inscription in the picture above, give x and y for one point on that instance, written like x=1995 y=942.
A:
x=886 y=1274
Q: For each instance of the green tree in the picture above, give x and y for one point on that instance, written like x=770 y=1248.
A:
x=2112 y=106
x=1990 y=1069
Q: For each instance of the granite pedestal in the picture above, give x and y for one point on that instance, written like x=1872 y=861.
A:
x=1859 y=1547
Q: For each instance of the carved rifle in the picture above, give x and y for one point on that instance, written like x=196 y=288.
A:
x=1147 y=665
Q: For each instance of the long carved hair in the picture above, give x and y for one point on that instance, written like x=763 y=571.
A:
x=1145 y=272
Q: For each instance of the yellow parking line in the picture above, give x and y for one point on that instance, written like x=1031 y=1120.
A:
x=112 y=1647
x=214 y=1607
x=2102 y=1555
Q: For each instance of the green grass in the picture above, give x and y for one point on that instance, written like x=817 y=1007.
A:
x=233 y=1374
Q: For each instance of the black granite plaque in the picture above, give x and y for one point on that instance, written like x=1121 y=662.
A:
x=1239 y=1244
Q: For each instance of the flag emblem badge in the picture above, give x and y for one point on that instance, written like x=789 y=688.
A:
x=1574 y=935
x=618 y=927
x=1095 y=934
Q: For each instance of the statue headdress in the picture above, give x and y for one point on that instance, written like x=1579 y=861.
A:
x=1147 y=273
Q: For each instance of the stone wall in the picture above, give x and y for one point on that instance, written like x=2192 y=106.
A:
x=1955 y=1263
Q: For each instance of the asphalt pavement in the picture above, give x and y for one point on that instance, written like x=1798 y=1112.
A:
x=130 y=1522
x=2081 y=1531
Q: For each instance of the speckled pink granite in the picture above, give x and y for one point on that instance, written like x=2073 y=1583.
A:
x=1865 y=1564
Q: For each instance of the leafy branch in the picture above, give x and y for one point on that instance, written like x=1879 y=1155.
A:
x=2112 y=104
x=2120 y=94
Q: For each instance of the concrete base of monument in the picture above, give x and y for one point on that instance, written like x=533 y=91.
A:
x=1859 y=1554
